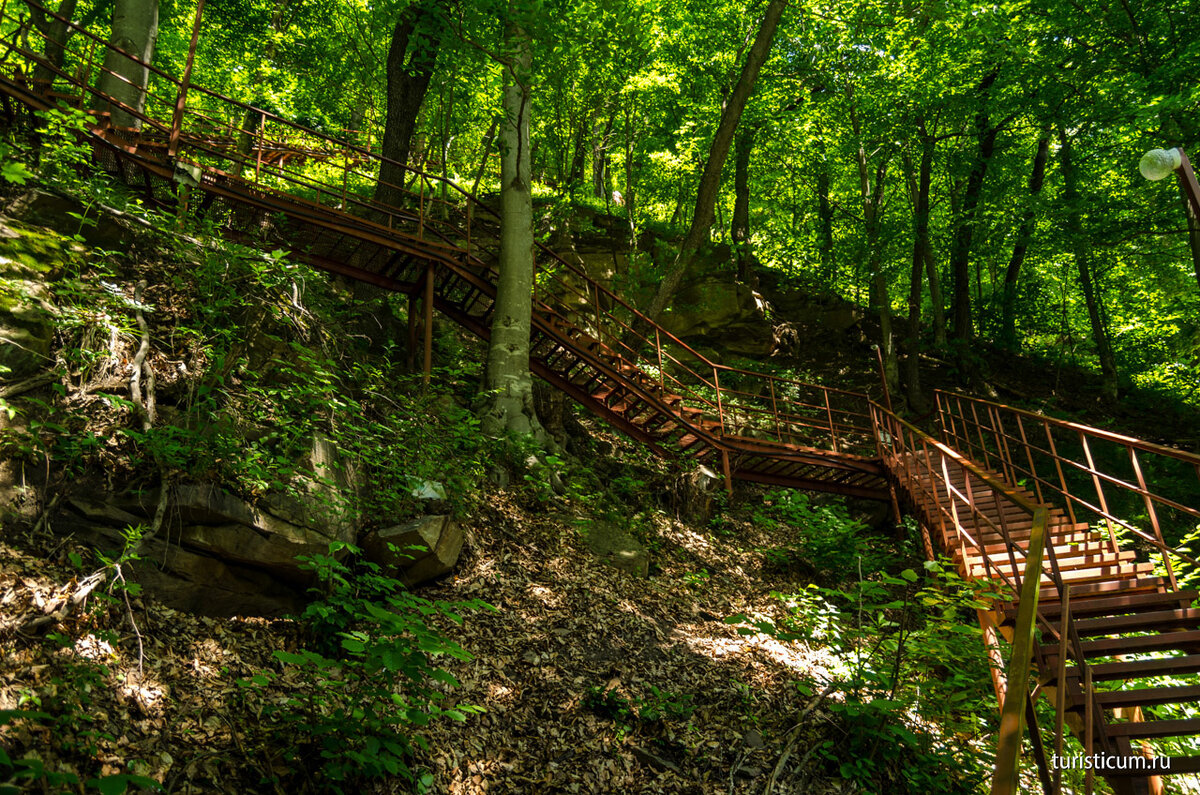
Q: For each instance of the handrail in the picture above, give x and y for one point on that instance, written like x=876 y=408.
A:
x=898 y=439
x=985 y=429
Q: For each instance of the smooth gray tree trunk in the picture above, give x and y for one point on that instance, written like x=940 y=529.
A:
x=508 y=407
x=134 y=31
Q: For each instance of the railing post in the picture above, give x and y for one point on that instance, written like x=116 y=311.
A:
x=1087 y=452
x=720 y=407
x=1060 y=692
x=421 y=207
x=829 y=416
x=1008 y=753
x=1062 y=480
x=184 y=84
x=662 y=384
x=775 y=411
x=262 y=126
x=1141 y=479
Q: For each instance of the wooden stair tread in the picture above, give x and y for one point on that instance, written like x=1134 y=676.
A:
x=1149 y=696
x=1155 y=728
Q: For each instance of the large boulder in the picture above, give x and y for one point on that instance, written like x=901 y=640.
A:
x=614 y=547
x=718 y=311
x=417 y=551
x=226 y=555
x=27 y=316
x=179 y=575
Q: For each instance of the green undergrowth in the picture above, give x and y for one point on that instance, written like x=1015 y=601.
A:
x=905 y=675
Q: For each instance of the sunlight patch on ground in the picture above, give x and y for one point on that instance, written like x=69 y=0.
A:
x=92 y=648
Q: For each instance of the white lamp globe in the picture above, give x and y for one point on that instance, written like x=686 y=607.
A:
x=1158 y=163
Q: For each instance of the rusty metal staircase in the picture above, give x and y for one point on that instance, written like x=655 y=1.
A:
x=1000 y=490
x=1100 y=616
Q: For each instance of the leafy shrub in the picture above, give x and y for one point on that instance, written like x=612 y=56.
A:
x=354 y=698
x=906 y=653
x=829 y=540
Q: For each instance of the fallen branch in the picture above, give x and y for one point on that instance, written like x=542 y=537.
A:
x=793 y=735
x=21 y=387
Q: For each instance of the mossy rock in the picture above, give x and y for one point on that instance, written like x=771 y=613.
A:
x=617 y=548
x=29 y=257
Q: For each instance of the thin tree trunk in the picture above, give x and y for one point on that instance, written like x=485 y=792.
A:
x=135 y=31
x=871 y=190
x=919 y=188
x=412 y=55
x=710 y=180
x=509 y=408
x=488 y=139
x=739 y=230
x=1008 y=318
x=1081 y=250
x=56 y=35
x=960 y=256
x=600 y=159
x=825 y=220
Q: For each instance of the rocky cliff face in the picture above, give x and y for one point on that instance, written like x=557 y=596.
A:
x=72 y=454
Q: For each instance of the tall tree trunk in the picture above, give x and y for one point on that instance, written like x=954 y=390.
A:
x=960 y=253
x=1008 y=319
x=134 y=30
x=1081 y=249
x=740 y=226
x=871 y=191
x=825 y=219
x=412 y=55
x=579 y=153
x=56 y=35
x=710 y=180
x=600 y=187
x=919 y=187
x=509 y=407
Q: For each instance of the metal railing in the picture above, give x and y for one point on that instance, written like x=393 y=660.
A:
x=981 y=518
x=1141 y=493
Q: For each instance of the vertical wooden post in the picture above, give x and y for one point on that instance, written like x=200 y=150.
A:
x=262 y=126
x=1012 y=715
x=775 y=411
x=1087 y=452
x=725 y=469
x=887 y=394
x=1060 y=692
x=184 y=84
x=1037 y=481
x=829 y=415
x=662 y=383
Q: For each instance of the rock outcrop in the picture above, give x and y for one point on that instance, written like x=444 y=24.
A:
x=418 y=551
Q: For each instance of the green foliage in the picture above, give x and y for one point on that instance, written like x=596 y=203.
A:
x=829 y=541
x=654 y=707
x=353 y=700
x=904 y=655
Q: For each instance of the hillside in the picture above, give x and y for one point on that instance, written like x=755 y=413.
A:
x=590 y=678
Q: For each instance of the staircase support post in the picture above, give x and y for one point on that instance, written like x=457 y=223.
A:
x=725 y=469
x=1012 y=716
